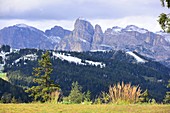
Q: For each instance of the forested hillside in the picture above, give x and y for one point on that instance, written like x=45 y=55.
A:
x=94 y=71
x=11 y=93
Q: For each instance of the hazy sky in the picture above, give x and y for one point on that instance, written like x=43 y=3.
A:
x=45 y=14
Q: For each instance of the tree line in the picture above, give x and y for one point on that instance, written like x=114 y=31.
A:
x=47 y=90
x=91 y=78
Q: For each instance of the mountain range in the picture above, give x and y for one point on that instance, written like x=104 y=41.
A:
x=85 y=37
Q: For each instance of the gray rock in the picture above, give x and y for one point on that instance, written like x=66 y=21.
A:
x=23 y=36
x=80 y=39
x=85 y=38
x=97 y=38
x=57 y=31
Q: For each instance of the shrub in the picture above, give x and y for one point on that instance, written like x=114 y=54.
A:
x=55 y=96
x=124 y=92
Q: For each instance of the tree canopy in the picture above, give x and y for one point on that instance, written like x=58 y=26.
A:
x=45 y=86
x=164 y=19
x=76 y=95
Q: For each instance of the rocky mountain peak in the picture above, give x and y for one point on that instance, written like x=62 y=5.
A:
x=25 y=27
x=22 y=25
x=116 y=29
x=98 y=29
x=97 y=38
x=83 y=25
x=24 y=36
x=83 y=30
x=80 y=39
x=165 y=35
x=85 y=37
x=135 y=28
x=58 y=32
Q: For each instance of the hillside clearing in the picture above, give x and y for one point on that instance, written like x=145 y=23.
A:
x=3 y=76
x=79 y=108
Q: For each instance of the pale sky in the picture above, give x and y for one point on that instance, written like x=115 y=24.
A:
x=45 y=14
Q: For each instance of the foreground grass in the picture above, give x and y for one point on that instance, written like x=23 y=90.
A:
x=3 y=76
x=61 y=108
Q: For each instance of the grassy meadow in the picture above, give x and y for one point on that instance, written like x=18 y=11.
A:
x=3 y=76
x=79 y=108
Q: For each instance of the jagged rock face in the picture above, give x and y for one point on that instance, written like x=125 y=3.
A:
x=57 y=31
x=142 y=41
x=22 y=36
x=56 y=34
x=85 y=38
x=70 y=44
x=97 y=38
x=80 y=39
x=83 y=30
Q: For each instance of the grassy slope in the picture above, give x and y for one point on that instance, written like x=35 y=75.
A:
x=3 y=76
x=60 y=108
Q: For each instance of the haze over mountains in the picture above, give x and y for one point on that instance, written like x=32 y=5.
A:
x=85 y=37
x=93 y=57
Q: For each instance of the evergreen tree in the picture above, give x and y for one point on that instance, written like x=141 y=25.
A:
x=164 y=19
x=167 y=96
x=87 y=96
x=76 y=95
x=6 y=97
x=5 y=48
x=167 y=2
x=13 y=100
x=144 y=96
x=105 y=97
x=45 y=86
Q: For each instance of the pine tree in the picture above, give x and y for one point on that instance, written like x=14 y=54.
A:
x=144 y=97
x=76 y=95
x=13 y=100
x=45 y=86
x=87 y=96
x=105 y=97
x=167 y=3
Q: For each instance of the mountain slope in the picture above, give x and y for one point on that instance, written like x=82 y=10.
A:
x=85 y=37
x=8 y=91
x=23 y=36
x=95 y=71
x=80 y=39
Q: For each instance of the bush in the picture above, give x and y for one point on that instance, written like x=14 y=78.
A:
x=124 y=93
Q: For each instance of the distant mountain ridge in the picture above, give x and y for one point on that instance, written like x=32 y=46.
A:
x=85 y=37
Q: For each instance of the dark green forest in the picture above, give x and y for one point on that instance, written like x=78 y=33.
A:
x=119 y=67
x=10 y=93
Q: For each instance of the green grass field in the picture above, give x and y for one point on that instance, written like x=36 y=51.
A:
x=3 y=76
x=61 y=108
